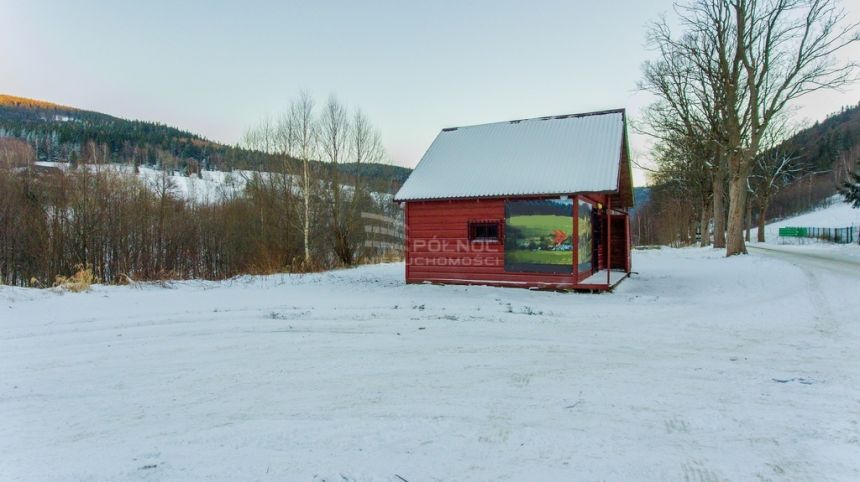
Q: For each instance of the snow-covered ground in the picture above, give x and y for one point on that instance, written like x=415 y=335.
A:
x=699 y=368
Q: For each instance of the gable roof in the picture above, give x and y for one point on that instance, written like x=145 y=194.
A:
x=541 y=156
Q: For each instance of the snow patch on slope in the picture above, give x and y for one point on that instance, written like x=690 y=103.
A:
x=834 y=214
x=210 y=187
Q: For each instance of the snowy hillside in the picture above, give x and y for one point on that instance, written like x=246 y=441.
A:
x=699 y=368
x=210 y=187
x=836 y=214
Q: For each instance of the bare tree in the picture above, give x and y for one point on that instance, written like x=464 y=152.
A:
x=759 y=56
x=365 y=147
x=772 y=170
x=15 y=153
x=293 y=140
x=354 y=141
x=263 y=137
x=683 y=169
x=683 y=121
x=306 y=129
x=330 y=193
x=334 y=136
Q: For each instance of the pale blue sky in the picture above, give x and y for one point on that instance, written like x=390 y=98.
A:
x=215 y=68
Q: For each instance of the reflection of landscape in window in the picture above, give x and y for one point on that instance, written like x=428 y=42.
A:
x=583 y=258
x=539 y=236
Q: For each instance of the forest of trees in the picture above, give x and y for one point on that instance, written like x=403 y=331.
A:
x=727 y=154
x=304 y=214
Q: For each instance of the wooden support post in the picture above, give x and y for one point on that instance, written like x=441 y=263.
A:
x=406 y=249
x=628 y=240
x=575 y=239
x=608 y=240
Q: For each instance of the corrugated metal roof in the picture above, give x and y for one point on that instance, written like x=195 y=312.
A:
x=546 y=155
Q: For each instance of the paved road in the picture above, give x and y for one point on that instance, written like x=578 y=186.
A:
x=813 y=260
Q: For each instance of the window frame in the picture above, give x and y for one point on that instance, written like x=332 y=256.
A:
x=474 y=224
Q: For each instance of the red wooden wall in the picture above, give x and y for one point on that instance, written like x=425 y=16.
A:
x=438 y=247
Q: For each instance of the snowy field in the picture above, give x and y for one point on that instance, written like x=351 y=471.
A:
x=700 y=369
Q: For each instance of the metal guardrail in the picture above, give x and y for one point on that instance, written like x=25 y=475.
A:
x=834 y=235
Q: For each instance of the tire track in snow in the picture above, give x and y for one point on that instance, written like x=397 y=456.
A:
x=827 y=320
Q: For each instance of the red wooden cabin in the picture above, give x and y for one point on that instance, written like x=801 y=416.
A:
x=538 y=203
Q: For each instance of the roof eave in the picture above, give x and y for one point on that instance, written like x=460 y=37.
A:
x=505 y=196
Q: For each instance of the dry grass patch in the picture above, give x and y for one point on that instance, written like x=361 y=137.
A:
x=78 y=282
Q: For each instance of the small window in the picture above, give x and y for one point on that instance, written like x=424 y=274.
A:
x=484 y=231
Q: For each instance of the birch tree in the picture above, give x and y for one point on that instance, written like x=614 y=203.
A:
x=306 y=129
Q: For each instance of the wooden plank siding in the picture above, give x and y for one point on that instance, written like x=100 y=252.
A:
x=620 y=242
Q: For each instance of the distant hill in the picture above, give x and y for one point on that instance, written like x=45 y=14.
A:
x=25 y=103
x=822 y=148
x=821 y=144
x=65 y=134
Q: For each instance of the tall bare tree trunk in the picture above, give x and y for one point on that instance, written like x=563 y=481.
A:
x=719 y=206
x=748 y=220
x=737 y=205
x=306 y=221
x=762 y=219
x=704 y=223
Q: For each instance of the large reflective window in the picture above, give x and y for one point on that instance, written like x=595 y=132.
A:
x=539 y=236
x=586 y=248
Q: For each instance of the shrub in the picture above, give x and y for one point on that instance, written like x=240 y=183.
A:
x=78 y=282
